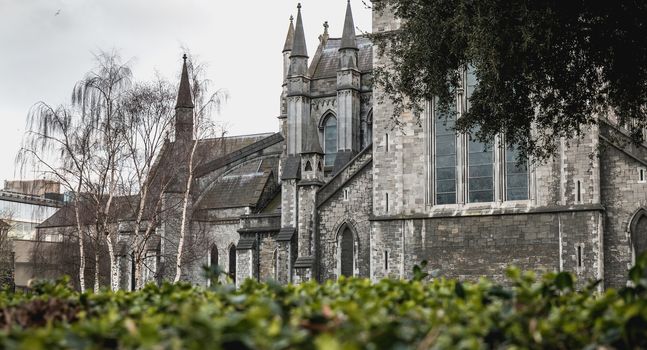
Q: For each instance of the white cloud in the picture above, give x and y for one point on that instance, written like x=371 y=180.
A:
x=44 y=54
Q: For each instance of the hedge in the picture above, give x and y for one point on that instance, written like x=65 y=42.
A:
x=529 y=312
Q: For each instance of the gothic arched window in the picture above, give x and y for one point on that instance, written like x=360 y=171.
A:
x=347 y=253
x=366 y=130
x=638 y=231
x=330 y=139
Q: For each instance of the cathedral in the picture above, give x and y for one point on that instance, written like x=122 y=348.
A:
x=337 y=191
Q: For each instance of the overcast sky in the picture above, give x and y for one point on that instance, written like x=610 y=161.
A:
x=46 y=46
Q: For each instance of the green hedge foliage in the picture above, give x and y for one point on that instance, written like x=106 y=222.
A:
x=351 y=313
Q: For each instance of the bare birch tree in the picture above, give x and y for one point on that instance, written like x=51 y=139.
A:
x=81 y=147
x=58 y=141
x=146 y=122
x=206 y=103
x=99 y=96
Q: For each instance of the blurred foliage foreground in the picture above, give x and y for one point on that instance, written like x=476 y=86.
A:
x=349 y=313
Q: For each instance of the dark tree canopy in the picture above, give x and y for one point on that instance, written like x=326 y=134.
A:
x=553 y=66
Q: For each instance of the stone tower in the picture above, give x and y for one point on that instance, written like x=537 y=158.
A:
x=173 y=196
x=312 y=178
x=298 y=117
x=348 y=95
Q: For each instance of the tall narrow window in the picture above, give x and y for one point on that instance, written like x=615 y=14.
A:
x=480 y=157
x=387 y=142
x=445 y=165
x=470 y=85
x=386 y=261
x=579 y=256
x=213 y=256
x=387 y=202
x=275 y=261
x=232 y=263
x=641 y=175
x=480 y=179
x=516 y=176
x=330 y=140
x=347 y=253
x=578 y=190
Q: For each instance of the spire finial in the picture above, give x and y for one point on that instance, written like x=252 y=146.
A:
x=184 y=96
x=325 y=25
x=348 y=37
x=289 y=39
x=299 y=45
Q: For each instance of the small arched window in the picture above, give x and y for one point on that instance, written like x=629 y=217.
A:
x=232 y=263
x=308 y=166
x=330 y=139
x=213 y=256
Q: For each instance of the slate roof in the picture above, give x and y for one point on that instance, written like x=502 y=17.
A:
x=121 y=207
x=245 y=244
x=304 y=262
x=236 y=190
x=328 y=64
x=230 y=151
x=285 y=234
x=291 y=168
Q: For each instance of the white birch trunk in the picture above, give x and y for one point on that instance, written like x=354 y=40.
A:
x=185 y=207
x=79 y=229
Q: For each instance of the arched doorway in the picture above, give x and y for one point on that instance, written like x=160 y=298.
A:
x=347 y=252
x=232 y=262
x=638 y=231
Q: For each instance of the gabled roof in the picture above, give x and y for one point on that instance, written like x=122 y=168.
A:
x=242 y=187
x=328 y=64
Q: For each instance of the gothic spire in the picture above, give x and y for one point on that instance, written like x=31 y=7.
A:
x=290 y=38
x=184 y=97
x=348 y=37
x=299 y=45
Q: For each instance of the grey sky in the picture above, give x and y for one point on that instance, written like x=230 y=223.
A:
x=44 y=53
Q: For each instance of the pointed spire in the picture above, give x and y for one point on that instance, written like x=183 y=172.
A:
x=348 y=37
x=290 y=38
x=184 y=97
x=299 y=46
x=311 y=141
